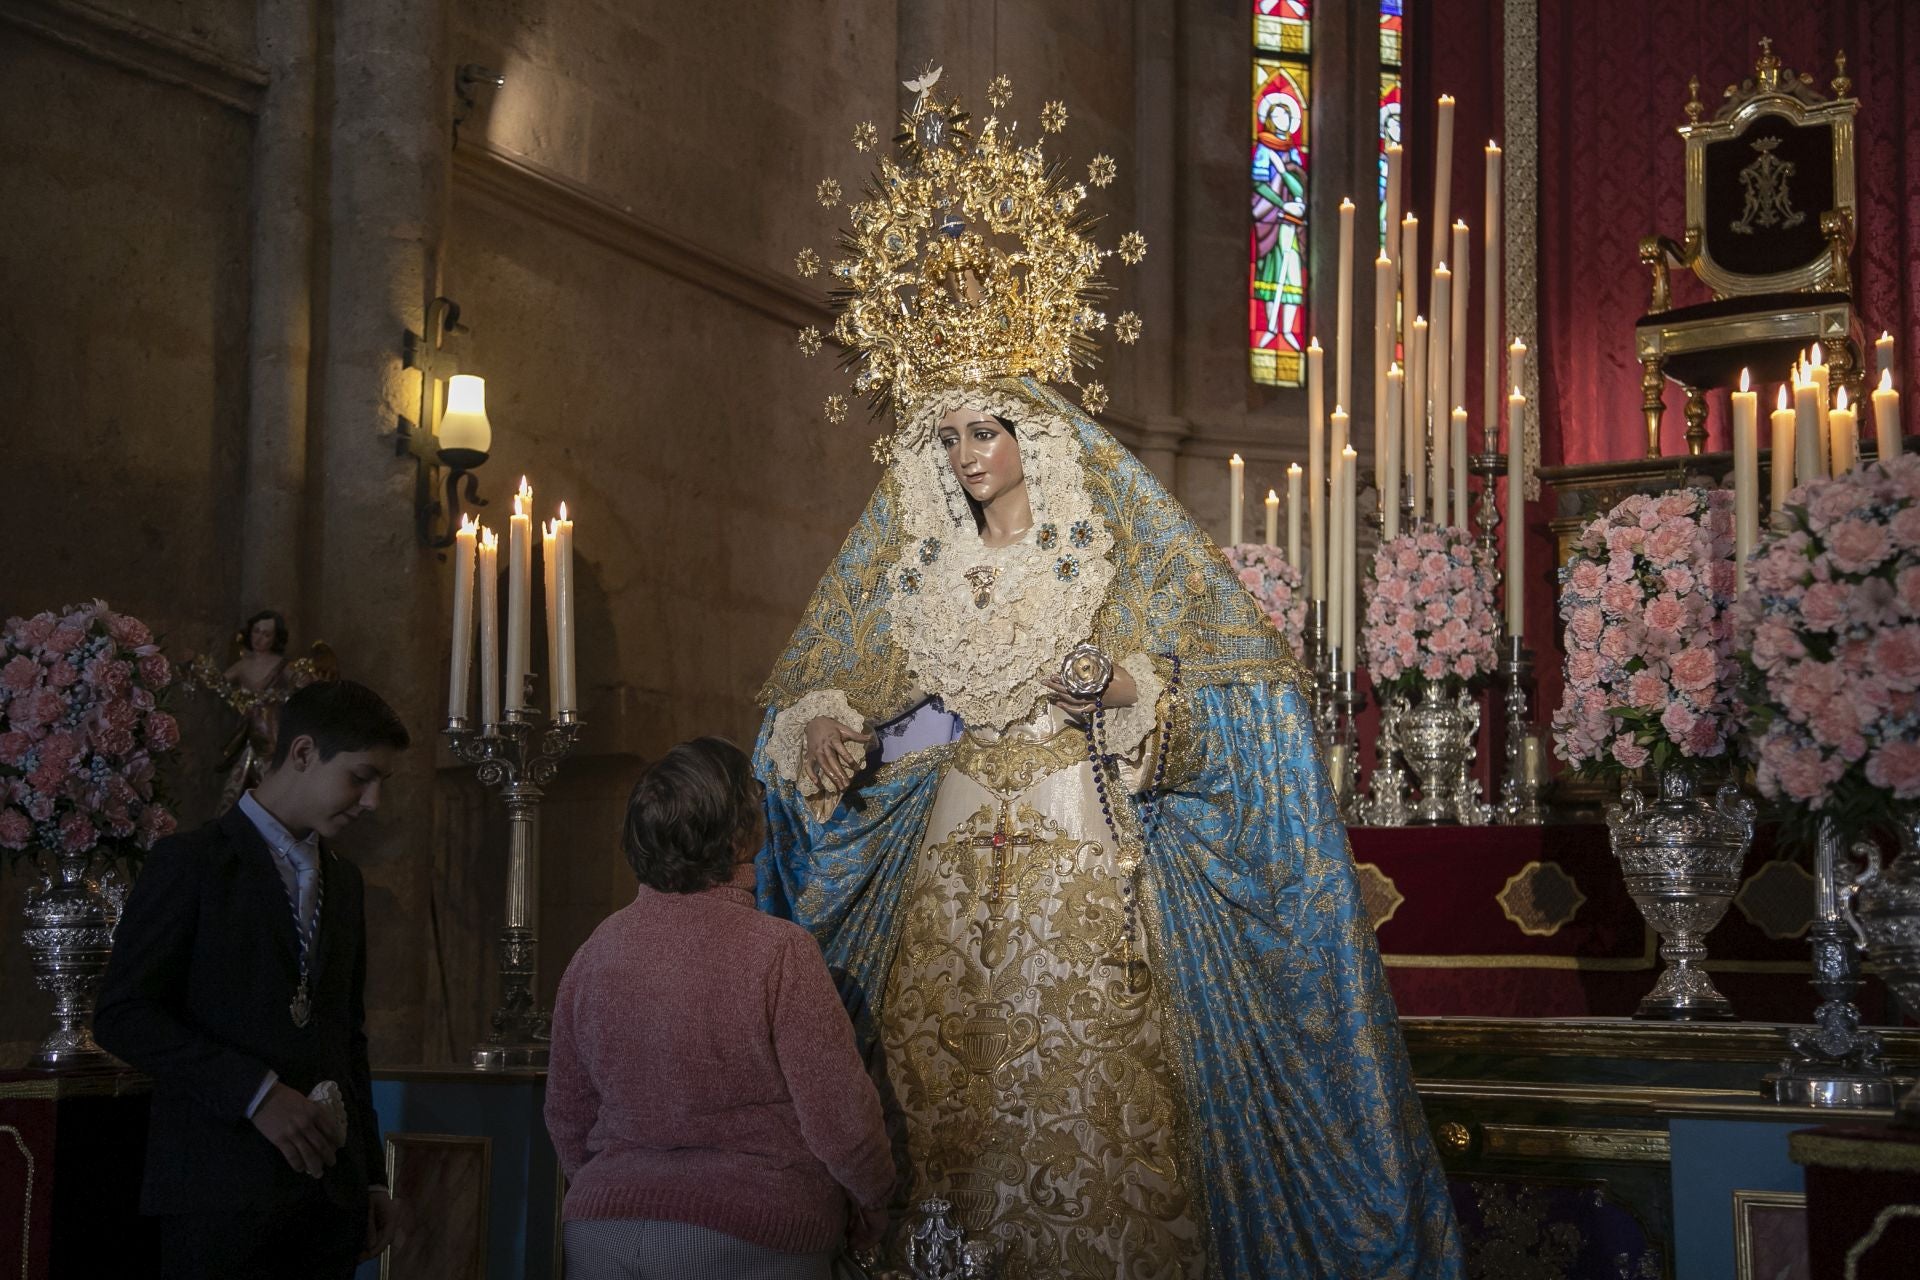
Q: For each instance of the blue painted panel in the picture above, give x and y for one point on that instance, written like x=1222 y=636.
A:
x=521 y=1202
x=1711 y=1160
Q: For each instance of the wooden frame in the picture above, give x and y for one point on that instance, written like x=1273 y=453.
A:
x=1746 y=1206
x=428 y=1147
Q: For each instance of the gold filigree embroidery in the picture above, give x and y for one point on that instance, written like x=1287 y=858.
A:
x=1037 y=1092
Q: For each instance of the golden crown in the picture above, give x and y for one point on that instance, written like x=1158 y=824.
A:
x=969 y=259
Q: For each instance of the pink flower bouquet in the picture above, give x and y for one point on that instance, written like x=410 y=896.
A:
x=1430 y=613
x=1273 y=582
x=1832 y=618
x=80 y=726
x=1647 y=600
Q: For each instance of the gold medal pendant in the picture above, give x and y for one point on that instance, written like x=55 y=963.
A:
x=981 y=578
x=300 y=1007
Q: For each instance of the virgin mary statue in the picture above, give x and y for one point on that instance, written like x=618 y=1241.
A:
x=1042 y=783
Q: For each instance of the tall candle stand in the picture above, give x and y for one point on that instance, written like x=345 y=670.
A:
x=1348 y=703
x=1318 y=658
x=1835 y=1062
x=1520 y=790
x=519 y=757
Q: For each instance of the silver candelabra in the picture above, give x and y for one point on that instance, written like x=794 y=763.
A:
x=1520 y=790
x=519 y=757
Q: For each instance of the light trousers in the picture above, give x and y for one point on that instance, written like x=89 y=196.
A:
x=628 y=1249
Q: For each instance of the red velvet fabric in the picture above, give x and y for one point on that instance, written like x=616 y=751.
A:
x=1613 y=85
x=1450 y=949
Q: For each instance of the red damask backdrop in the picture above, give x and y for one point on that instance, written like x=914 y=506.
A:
x=1612 y=88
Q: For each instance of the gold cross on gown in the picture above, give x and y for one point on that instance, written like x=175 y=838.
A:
x=1003 y=841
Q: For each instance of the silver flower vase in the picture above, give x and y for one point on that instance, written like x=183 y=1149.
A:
x=1885 y=911
x=71 y=916
x=1435 y=736
x=1681 y=857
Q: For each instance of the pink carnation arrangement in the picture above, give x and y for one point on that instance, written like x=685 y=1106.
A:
x=1647 y=601
x=1273 y=582
x=1430 y=614
x=80 y=727
x=1831 y=617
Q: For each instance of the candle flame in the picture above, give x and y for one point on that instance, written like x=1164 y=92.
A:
x=1781 y=405
x=1886 y=380
x=1348 y=452
x=1446 y=99
x=1493 y=146
x=1313 y=343
x=1745 y=381
x=564 y=517
x=1409 y=221
x=466 y=522
x=1460 y=224
x=1440 y=267
x=489 y=539
x=1346 y=203
x=1515 y=394
x=1840 y=400
x=1237 y=462
x=1818 y=358
x=526 y=490
x=519 y=509
x=1419 y=320
x=1293 y=469
x=1885 y=336
x=1394 y=370
x=1273 y=499
x=1339 y=411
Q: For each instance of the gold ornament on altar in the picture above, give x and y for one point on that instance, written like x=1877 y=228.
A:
x=969 y=258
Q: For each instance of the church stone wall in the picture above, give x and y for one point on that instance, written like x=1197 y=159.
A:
x=122 y=354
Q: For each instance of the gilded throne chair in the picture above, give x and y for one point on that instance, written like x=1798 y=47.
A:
x=1770 y=224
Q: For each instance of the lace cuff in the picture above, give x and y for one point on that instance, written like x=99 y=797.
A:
x=1128 y=727
x=787 y=744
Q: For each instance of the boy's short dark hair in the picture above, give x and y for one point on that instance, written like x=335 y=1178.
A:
x=687 y=814
x=339 y=715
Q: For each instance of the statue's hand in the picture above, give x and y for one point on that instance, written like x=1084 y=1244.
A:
x=834 y=753
x=1121 y=691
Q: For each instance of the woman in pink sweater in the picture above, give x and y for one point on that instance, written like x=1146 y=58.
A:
x=705 y=1096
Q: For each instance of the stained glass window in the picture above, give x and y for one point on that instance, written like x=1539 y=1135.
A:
x=1392 y=30
x=1277 y=252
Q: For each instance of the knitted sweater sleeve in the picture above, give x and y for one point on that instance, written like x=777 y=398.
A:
x=837 y=1105
x=573 y=1104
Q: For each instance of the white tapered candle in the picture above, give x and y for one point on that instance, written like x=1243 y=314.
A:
x=1236 y=498
x=1382 y=360
x=1843 y=430
x=1516 y=513
x=1442 y=176
x=1293 y=515
x=1439 y=380
x=1746 y=478
x=1390 y=496
x=1457 y=452
x=568 y=636
x=1457 y=330
x=1317 y=468
x=1492 y=323
x=1343 y=353
x=1416 y=423
x=488 y=562
x=460 y=673
x=1886 y=416
x=1273 y=518
x=519 y=596
x=1781 y=453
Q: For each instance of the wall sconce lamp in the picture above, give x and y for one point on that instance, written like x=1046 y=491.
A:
x=466 y=80
x=455 y=439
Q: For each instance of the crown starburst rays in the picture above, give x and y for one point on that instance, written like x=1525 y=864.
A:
x=968 y=258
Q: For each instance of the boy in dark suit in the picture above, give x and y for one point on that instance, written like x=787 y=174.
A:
x=237 y=983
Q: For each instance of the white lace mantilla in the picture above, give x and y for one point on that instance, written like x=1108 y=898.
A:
x=984 y=654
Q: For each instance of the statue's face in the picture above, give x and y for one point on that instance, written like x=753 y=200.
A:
x=984 y=456
x=260 y=637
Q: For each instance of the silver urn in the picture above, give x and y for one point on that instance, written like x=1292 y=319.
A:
x=1681 y=857
x=1435 y=736
x=71 y=915
x=1885 y=911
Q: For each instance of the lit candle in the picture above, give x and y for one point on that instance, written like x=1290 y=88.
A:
x=1273 y=518
x=1457 y=331
x=1236 y=497
x=519 y=595
x=1390 y=496
x=1407 y=264
x=1293 y=515
x=1820 y=374
x=1349 y=574
x=1442 y=179
x=1343 y=381
x=1317 y=467
x=566 y=635
x=461 y=671
x=1808 y=440
x=1439 y=384
x=1334 y=492
x=1396 y=158
x=1491 y=325
x=1532 y=763
x=1416 y=423
x=1883 y=354
x=1780 y=455
x=1886 y=416
x=1458 y=444
x=1516 y=363
x=1338 y=448
x=1843 y=430
x=489 y=570
x=1516 y=513
x=1746 y=479
x=1382 y=359
x=550 y=593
